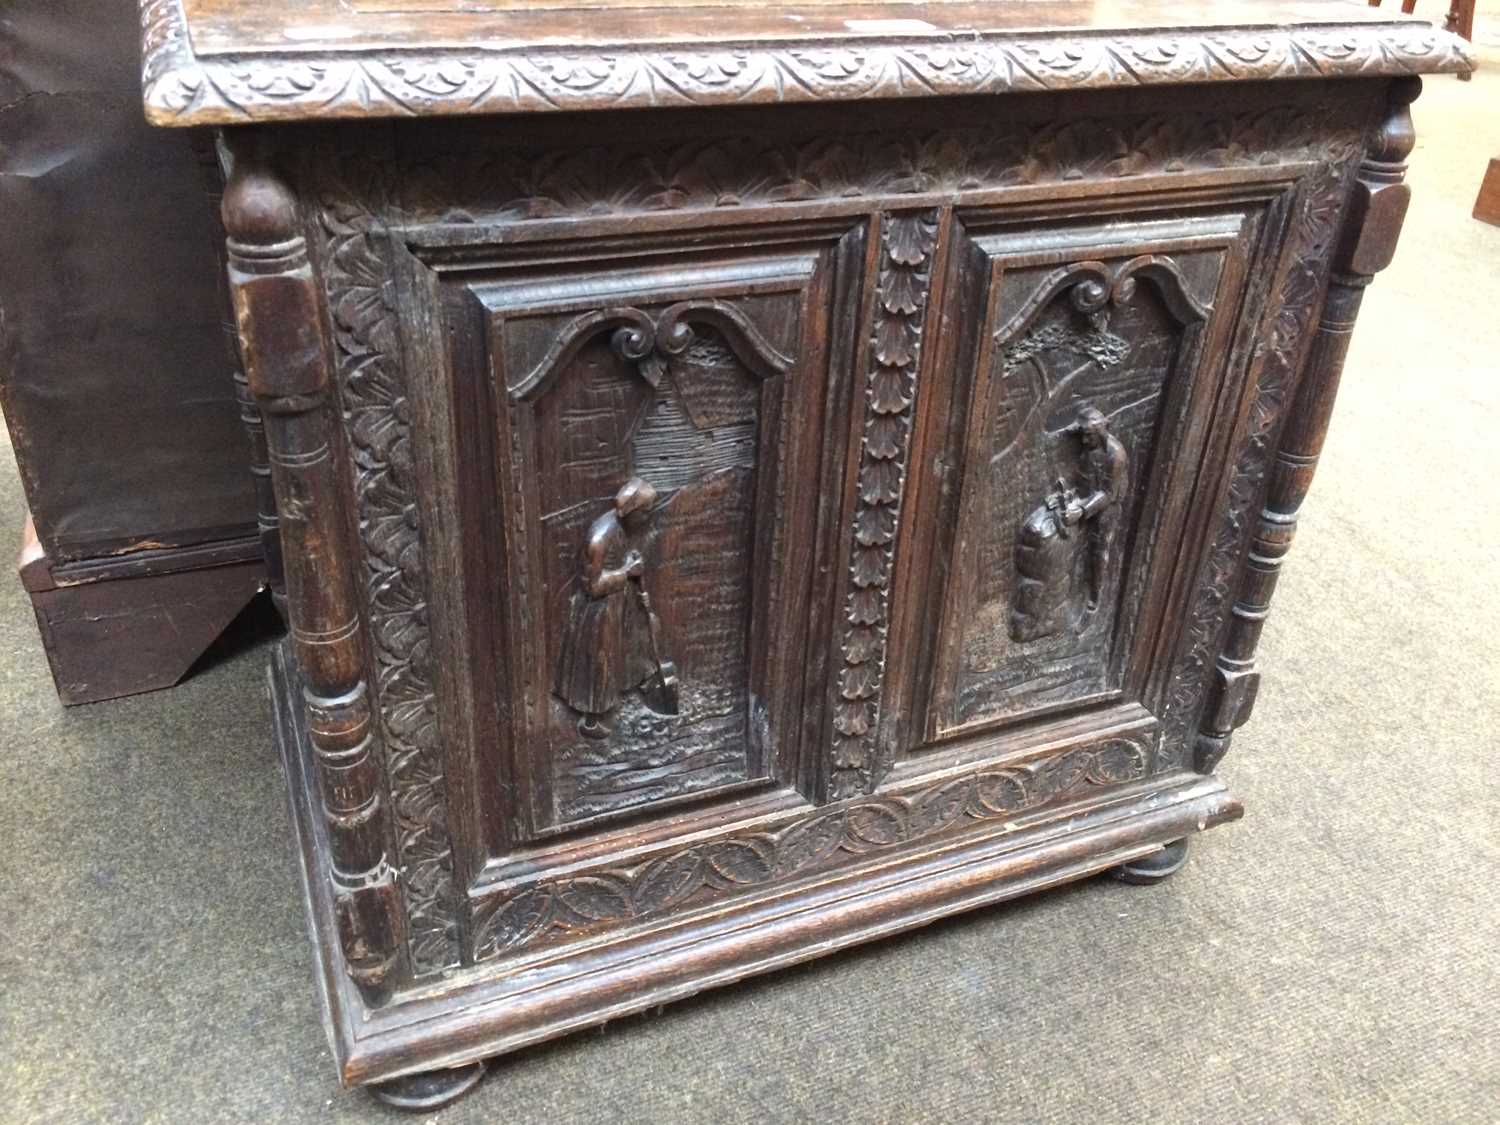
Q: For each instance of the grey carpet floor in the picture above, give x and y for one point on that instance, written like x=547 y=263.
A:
x=1332 y=958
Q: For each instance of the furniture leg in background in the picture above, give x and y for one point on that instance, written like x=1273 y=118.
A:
x=1460 y=21
x=1487 y=205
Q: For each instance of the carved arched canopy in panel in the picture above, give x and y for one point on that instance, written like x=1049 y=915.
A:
x=1093 y=287
x=650 y=341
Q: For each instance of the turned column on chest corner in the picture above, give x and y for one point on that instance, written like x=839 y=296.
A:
x=288 y=367
x=1367 y=243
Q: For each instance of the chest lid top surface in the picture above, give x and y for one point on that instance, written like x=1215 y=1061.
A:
x=230 y=61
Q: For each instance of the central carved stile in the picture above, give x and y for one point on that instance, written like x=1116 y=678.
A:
x=908 y=240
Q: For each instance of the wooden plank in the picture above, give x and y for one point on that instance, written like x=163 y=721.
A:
x=313 y=26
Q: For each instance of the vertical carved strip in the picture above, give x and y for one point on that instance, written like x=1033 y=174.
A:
x=1368 y=242
x=288 y=370
x=907 y=242
x=1314 y=229
x=393 y=567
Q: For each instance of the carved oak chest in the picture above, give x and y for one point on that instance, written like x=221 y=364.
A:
x=754 y=484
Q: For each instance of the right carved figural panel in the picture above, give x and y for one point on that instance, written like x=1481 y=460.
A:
x=1079 y=389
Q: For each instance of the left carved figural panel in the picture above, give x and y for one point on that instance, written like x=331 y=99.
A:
x=644 y=454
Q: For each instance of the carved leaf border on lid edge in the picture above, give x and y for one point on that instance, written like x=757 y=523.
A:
x=182 y=89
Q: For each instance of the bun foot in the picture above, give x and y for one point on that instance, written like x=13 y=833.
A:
x=1154 y=866
x=429 y=1089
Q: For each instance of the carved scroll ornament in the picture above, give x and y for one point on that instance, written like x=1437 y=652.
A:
x=651 y=342
x=1093 y=288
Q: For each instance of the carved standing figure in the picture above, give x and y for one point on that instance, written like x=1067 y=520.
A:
x=602 y=654
x=1106 y=469
x=1046 y=549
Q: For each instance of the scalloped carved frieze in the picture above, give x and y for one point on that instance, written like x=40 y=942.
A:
x=181 y=88
x=738 y=864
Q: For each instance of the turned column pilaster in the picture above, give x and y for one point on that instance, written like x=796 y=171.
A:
x=1367 y=243
x=288 y=369
x=255 y=431
x=267 y=521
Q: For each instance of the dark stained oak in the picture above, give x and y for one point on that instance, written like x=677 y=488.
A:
x=288 y=371
x=113 y=627
x=715 y=537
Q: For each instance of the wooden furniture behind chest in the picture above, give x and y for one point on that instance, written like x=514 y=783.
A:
x=115 y=370
x=718 y=532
